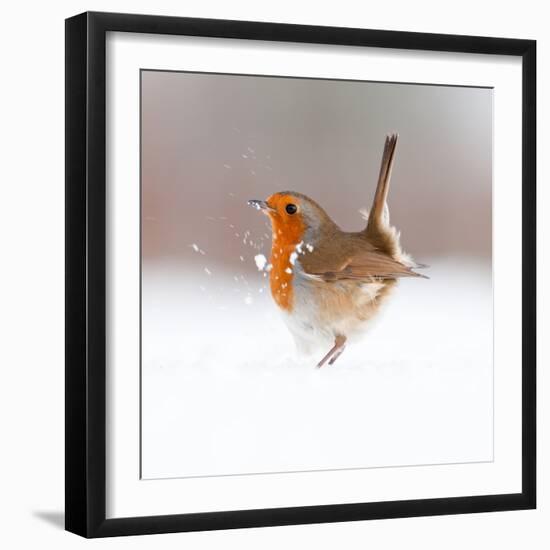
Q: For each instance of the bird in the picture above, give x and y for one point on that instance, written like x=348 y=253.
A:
x=329 y=283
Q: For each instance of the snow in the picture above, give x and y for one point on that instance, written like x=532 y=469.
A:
x=261 y=261
x=224 y=391
x=196 y=248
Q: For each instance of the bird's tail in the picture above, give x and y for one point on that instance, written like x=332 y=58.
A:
x=377 y=221
x=379 y=232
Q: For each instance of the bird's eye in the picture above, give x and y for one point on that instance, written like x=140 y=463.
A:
x=291 y=208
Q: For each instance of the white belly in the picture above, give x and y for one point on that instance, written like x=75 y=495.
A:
x=322 y=310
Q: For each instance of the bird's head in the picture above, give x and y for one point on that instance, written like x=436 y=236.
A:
x=294 y=216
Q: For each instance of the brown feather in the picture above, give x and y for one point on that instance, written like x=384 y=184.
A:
x=371 y=253
x=351 y=256
x=376 y=216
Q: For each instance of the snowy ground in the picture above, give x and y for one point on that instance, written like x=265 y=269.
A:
x=224 y=393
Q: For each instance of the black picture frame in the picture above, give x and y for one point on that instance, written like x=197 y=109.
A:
x=85 y=426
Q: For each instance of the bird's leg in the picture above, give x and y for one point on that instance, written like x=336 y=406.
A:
x=337 y=354
x=335 y=351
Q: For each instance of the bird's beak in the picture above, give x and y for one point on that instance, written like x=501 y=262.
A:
x=261 y=205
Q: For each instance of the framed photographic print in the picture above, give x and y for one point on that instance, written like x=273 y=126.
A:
x=300 y=274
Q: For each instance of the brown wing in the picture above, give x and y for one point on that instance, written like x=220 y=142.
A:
x=366 y=255
x=369 y=265
x=351 y=263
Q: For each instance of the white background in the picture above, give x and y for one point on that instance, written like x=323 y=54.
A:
x=31 y=398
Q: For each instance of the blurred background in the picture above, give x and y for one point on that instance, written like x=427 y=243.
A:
x=211 y=142
x=223 y=391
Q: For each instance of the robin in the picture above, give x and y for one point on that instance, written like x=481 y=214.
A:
x=330 y=283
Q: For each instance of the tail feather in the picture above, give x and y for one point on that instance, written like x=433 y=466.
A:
x=376 y=216
x=378 y=231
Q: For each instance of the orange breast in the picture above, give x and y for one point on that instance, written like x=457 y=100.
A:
x=288 y=231
x=281 y=276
